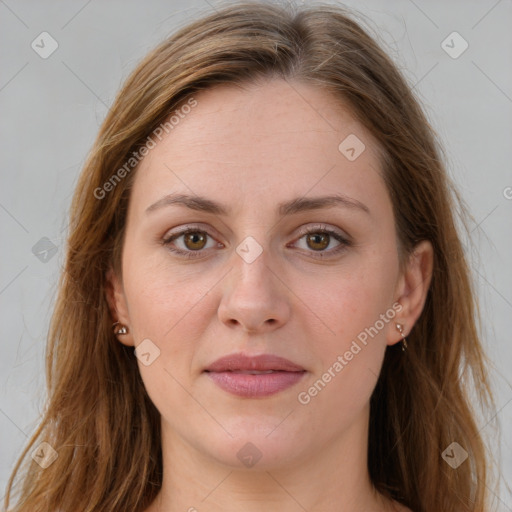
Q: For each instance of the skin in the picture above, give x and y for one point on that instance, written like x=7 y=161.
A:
x=251 y=148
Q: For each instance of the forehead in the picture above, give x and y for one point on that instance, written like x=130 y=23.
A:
x=267 y=140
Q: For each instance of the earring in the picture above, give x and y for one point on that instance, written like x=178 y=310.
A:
x=400 y=328
x=121 y=330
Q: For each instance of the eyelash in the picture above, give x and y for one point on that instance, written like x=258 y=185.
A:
x=344 y=243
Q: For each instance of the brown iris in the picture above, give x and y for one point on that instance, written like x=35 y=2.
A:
x=196 y=240
x=320 y=239
x=195 y=237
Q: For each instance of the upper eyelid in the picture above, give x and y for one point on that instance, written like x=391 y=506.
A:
x=187 y=228
x=345 y=241
x=303 y=230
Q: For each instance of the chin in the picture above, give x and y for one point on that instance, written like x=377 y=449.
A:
x=256 y=447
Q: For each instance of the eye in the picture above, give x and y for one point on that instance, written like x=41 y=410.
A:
x=194 y=241
x=317 y=239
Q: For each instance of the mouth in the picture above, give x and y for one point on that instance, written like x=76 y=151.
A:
x=253 y=372
x=254 y=376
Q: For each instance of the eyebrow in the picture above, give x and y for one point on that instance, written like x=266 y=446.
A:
x=291 y=207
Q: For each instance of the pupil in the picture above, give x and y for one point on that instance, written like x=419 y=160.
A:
x=317 y=238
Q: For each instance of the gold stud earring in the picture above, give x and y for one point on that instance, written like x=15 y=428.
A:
x=400 y=328
x=119 y=330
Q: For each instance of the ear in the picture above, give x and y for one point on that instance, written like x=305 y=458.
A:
x=412 y=290
x=118 y=305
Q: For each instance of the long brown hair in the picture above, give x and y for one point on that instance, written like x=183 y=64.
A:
x=99 y=418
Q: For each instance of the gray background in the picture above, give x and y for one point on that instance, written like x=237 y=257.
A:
x=51 y=110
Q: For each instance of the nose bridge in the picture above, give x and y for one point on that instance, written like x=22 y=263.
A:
x=253 y=296
x=253 y=274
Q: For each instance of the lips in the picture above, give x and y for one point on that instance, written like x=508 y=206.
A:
x=254 y=376
x=261 y=363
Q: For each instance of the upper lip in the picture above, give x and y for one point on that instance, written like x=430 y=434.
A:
x=263 y=362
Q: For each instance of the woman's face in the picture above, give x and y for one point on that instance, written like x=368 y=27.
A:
x=245 y=171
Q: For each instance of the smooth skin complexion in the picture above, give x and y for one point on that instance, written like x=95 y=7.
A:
x=306 y=297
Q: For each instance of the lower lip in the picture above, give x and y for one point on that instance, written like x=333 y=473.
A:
x=255 y=385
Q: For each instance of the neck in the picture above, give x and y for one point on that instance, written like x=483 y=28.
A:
x=334 y=478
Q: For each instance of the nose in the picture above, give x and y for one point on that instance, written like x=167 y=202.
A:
x=254 y=297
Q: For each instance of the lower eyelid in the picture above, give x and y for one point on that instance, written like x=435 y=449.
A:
x=172 y=238
x=343 y=242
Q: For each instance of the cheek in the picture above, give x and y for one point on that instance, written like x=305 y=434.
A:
x=158 y=295
x=355 y=307
x=355 y=350
x=349 y=353
x=168 y=309
x=351 y=301
x=170 y=306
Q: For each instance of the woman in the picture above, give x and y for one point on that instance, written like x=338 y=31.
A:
x=265 y=303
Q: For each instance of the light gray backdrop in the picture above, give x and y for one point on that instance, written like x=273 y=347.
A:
x=51 y=105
